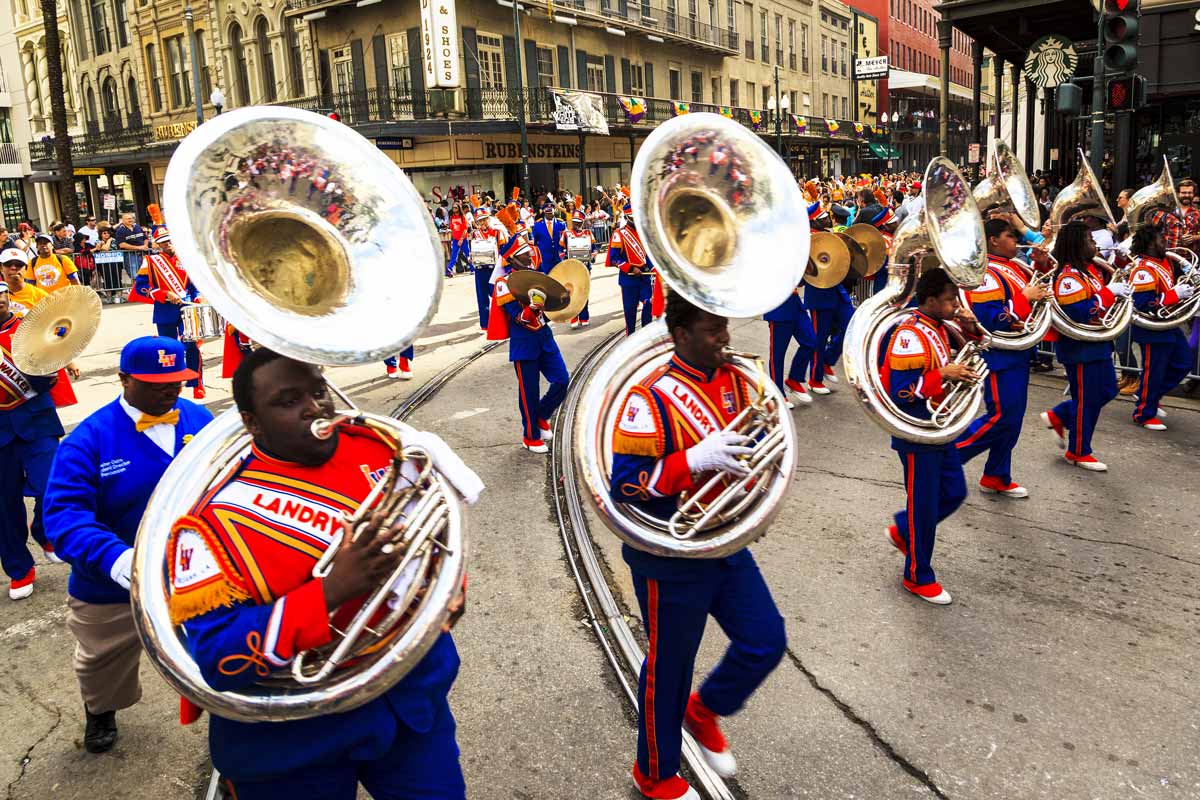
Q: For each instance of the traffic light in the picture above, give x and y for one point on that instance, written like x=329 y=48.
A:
x=1124 y=94
x=1120 y=34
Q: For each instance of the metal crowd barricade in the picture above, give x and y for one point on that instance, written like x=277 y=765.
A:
x=602 y=231
x=113 y=277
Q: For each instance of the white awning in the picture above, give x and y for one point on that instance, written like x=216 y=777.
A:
x=902 y=79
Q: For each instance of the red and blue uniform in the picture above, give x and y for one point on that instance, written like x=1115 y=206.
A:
x=162 y=273
x=672 y=410
x=1090 y=373
x=1166 y=357
x=546 y=235
x=533 y=353
x=565 y=247
x=999 y=304
x=626 y=251
x=787 y=322
x=933 y=474
x=242 y=587
x=29 y=434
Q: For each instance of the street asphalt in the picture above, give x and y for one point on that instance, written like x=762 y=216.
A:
x=1064 y=669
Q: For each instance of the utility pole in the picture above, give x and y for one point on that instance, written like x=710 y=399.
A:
x=525 y=183
x=1097 y=155
x=192 y=45
x=778 y=116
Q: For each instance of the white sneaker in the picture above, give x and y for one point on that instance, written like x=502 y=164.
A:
x=536 y=448
x=575 y=324
x=1162 y=413
x=52 y=557
x=547 y=435
x=1013 y=490
x=789 y=405
x=724 y=764
x=818 y=389
x=943 y=599
x=404 y=374
x=831 y=377
x=1093 y=465
x=799 y=397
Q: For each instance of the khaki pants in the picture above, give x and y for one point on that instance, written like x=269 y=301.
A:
x=106 y=655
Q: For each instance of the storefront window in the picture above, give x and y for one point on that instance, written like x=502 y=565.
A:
x=12 y=202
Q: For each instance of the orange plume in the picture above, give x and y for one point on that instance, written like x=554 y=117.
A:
x=509 y=216
x=155 y=213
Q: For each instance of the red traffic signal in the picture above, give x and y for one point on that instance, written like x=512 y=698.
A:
x=1124 y=94
x=1120 y=34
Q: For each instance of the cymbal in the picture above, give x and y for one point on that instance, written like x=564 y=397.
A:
x=873 y=242
x=858 y=256
x=520 y=281
x=576 y=279
x=828 y=261
x=56 y=331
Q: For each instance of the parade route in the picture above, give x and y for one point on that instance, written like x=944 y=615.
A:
x=1064 y=669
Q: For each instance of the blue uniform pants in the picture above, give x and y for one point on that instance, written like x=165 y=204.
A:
x=22 y=464
x=630 y=297
x=191 y=351
x=936 y=487
x=1093 y=384
x=483 y=294
x=674 y=612
x=998 y=430
x=420 y=766
x=829 y=326
x=584 y=314
x=1163 y=367
x=393 y=361
x=782 y=334
x=458 y=247
x=534 y=408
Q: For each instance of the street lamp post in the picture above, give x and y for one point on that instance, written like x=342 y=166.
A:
x=887 y=138
x=192 y=44
x=777 y=106
x=525 y=182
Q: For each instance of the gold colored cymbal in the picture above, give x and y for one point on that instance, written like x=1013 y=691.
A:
x=56 y=331
x=576 y=279
x=521 y=281
x=873 y=242
x=858 y=256
x=828 y=261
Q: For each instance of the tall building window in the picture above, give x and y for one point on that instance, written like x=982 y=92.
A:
x=296 y=58
x=398 y=66
x=697 y=87
x=674 y=82
x=100 y=38
x=824 y=53
x=792 y=43
x=716 y=91
x=491 y=61
x=181 y=79
x=824 y=105
x=122 y=23
x=637 y=79
x=545 y=66
x=734 y=99
x=266 y=60
x=110 y=104
x=845 y=108
x=154 y=72
x=595 y=77
x=241 y=77
x=6 y=134
x=844 y=69
x=135 y=108
x=804 y=45
x=764 y=56
x=343 y=71
x=731 y=22
x=779 y=40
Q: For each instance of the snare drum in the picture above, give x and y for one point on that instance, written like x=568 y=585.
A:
x=201 y=323
x=483 y=252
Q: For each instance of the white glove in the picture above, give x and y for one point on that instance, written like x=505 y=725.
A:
x=122 y=569
x=1120 y=289
x=719 y=451
x=1184 y=290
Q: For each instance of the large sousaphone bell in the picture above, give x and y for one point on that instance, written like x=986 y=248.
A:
x=1161 y=196
x=346 y=272
x=729 y=241
x=1007 y=188
x=950 y=230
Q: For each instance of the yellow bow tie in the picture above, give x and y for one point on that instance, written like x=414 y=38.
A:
x=148 y=421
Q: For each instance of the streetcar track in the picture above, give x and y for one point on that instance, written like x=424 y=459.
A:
x=604 y=614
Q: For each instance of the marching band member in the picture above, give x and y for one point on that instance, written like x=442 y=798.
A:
x=1001 y=303
x=29 y=434
x=917 y=368
x=830 y=311
x=1090 y=374
x=242 y=587
x=102 y=478
x=531 y=349
x=484 y=231
x=573 y=244
x=636 y=279
x=547 y=233
x=668 y=441
x=400 y=366
x=1166 y=356
x=165 y=281
x=791 y=321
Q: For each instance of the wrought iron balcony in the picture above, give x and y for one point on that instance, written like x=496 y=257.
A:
x=93 y=143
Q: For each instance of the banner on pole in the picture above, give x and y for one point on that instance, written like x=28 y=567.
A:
x=579 y=111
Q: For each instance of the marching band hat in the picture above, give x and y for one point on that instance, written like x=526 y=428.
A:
x=814 y=210
x=627 y=208
x=155 y=359
x=577 y=217
x=162 y=235
x=884 y=217
x=14 y=254
x=481 y=213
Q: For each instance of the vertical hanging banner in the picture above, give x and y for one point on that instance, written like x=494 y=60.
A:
x=440 y=44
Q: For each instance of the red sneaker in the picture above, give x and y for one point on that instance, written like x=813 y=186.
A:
x=1055 y=424
x=1086 y=462
x=896 y=539
x=20 y=589
x=673 y=788
x=701 y=723
x=535 y=445
x=198 y=393
x=929 y=592
x=1153 y=424
x=546 y=431
x=797 y=390
x=989 y=484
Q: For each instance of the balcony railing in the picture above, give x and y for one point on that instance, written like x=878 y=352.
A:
x=93 y=143
x=9 y=153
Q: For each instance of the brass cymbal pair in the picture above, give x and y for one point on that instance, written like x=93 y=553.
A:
x=566 y=288
x=56 y=331
x=832 y=255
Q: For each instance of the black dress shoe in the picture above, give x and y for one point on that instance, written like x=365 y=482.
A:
x=100 y=734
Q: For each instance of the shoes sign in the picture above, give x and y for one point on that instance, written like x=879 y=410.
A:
x=440 y=42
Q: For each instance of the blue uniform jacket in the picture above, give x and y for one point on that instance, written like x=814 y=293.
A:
x=164 y=313
x=910 y=367
x=102 y=478
x=999 y=305
x=546 y=241
x=1152 y=281
x=524 y=343
x=1083 y=298
x=790 y=310
x=618 y=258
x=36 y=418
x=817 y=299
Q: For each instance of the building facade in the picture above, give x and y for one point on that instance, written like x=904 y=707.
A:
x=18 y=200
